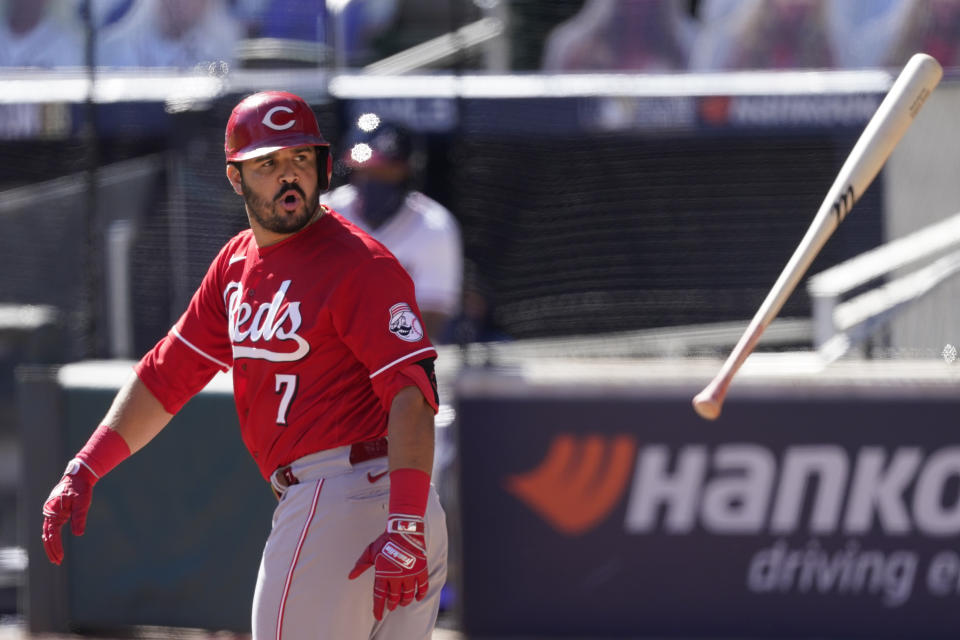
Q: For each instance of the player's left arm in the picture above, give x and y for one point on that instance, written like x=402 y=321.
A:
x=399 y=555
x=410 y=429
x=383 y=329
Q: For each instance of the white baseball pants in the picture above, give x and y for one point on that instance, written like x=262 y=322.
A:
x=320 y=528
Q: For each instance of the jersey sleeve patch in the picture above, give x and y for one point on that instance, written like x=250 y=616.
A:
x=404 y=323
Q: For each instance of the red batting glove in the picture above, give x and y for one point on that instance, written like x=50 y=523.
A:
x=399 y=557
x=69 y=500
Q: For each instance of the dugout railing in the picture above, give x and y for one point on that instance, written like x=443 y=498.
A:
x=916 y=265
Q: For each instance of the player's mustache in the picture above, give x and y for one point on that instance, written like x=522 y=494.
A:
x=290 y=187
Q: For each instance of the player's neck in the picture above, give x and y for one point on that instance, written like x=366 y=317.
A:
x=265 y=238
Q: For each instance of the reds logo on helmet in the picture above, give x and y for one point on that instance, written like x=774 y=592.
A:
x=272 y=120
x=268 y=119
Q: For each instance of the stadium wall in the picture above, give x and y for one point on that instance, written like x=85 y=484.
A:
x=822 y=504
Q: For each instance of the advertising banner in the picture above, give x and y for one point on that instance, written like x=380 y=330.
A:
x=612 y=516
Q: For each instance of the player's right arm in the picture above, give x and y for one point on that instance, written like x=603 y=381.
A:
x=166 y=377
x=134 y=418
x=136 y=414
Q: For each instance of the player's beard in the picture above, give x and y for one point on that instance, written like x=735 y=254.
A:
x=270 y=215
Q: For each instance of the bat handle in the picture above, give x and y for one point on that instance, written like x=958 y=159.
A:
x=709 y=402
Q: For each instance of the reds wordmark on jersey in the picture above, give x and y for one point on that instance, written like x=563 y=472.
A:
x=330 y=291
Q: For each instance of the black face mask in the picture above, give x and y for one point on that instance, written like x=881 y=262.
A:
x=379 y=201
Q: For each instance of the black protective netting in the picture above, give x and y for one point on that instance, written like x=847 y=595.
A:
x=591 y=233
x=51 y=249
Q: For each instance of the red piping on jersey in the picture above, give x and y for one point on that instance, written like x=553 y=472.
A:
x=296 y=556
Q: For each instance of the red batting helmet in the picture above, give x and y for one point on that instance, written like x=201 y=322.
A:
x=272 y=120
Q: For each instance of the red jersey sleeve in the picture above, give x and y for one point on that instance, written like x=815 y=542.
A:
x=375 y=313
x=197 y=346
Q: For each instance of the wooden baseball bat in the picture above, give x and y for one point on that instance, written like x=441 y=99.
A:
x=898 y=109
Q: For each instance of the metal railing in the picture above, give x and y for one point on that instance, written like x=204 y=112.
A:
x=839 y=325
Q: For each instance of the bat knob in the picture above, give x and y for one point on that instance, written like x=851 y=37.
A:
x=707 y=405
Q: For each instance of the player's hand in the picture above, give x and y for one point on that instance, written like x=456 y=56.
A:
x=399 y=557
x=69 y=500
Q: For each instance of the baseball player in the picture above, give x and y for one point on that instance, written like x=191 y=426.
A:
x=421 y=233
x=334 y=387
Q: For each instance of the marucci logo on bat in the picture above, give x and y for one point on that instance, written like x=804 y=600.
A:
x=918 y=102
x=578 y=483
x=844 y=204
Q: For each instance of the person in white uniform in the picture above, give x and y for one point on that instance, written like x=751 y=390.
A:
x=178 y=34
x=383 y=159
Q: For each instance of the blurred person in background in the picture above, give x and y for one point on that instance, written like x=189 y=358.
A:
x=384 y=160
x=38 y=33
x=767 y=34
x=930 y=26
x=171 y=33
x=623 y=35
x=851 y=24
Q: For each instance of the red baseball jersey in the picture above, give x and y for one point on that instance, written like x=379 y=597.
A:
x=321 y=330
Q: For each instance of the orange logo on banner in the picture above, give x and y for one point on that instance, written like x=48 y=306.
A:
x=579 y=482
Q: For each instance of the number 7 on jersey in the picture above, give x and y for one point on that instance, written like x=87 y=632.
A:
x=287 y=385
